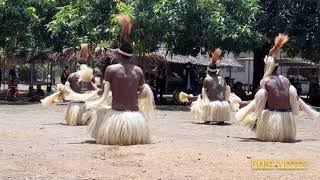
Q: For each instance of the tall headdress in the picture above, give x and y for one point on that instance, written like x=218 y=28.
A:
x=84 y=53
x=270 y=60
x=214 y=59
x=126 y=25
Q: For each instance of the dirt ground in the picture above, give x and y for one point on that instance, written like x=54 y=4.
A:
x=35 y=144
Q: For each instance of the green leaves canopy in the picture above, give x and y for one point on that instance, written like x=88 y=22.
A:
x=183 y=26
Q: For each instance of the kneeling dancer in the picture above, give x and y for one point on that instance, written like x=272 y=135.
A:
x=77 y=90
x=272 y=112
x=216 y=101
x=75 y=113
x=132 y=100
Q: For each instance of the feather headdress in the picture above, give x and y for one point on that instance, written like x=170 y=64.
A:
x=215 y=56
x=85 y=73
x=126 y=25
x=279 y=41
x=84 y=51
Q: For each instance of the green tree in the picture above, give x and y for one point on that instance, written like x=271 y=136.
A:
x=14 y=18
x=299 y=19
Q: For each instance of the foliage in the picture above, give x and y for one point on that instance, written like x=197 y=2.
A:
x=182 y=26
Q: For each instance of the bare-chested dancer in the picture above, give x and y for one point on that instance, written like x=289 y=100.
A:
x=125 y=123
x=80 y=83
x=76 y=108
x=214 y=105
x=271 y=113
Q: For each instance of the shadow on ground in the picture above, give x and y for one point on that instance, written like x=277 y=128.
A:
x=212 y=123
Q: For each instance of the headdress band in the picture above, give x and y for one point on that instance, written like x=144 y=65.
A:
x=124 y=53
x=212 y=70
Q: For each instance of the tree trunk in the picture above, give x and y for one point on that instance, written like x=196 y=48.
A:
x=32 y=67
x=51 y=73
x=48 y=72
x=258 y=66
x=4 y=73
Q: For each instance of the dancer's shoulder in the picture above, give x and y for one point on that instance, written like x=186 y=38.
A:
x=137 y=69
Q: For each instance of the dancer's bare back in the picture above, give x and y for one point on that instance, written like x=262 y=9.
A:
x=125 y=80
x=215 y=88
x=79 y=87
x=277 y=87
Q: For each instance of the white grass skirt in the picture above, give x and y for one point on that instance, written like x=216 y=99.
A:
x=74 y=114
x=276 y=126
x=119 y=127
x=215 y=111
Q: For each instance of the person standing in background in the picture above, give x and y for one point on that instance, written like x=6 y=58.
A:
x=161 y=78
x=64 y=75
x=190 y=79
x=13 y=74
x=0 y=77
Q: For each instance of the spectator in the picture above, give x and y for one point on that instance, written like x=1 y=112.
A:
x=39 y=92
x=297 y=85
x=314 y=97
x=239 y=91
x=13 y=89
x=190 y=79
x=13 y=74
x=64 y=75
x=31 y=92
x=161 y=79
x=0 y=78
x=49 y=91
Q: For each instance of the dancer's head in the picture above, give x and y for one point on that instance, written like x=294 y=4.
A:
x=212 y=67
x=126 y=49
x=271 y=63
x=84 y=53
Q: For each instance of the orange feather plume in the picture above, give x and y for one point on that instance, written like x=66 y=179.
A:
x=126 y=25
x=215 y=55
x=279 y=41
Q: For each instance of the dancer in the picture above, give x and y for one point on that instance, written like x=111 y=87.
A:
x=120 y=120
x=74 y=115
x=80 y=82
x=77 y=83
x=132 y=100
x=272 y=112
x=215 y=102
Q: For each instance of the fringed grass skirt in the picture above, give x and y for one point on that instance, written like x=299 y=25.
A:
x=74 y=114
x=215 y=111
x=119 y=127
x=276 y=127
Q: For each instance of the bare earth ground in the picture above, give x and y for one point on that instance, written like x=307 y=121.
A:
x=34 y=144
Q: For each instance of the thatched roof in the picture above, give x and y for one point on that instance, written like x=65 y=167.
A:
x=68 y=54
x=229 y=60
x=296 y=62
x=181 y=59
x=199 y=60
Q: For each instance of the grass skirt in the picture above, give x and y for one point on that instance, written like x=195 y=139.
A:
x=215 y=111
x=276 y=127
x=74 y=114
x=119 y=127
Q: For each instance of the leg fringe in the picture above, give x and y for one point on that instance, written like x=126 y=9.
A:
x=119 y=128
x=276 y=127
x=146 y=102
x=73 y=115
